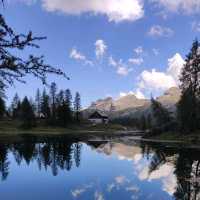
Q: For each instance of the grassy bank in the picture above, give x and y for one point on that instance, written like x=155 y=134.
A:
x=12 y=128
x=192 y=138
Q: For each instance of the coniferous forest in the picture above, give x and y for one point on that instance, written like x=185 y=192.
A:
x=52 y=107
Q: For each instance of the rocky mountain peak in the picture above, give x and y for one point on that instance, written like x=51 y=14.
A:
x=170 y=97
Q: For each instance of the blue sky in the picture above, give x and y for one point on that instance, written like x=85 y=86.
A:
x=108 y=47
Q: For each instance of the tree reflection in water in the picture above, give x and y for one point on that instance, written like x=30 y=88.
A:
x=187 y=168
x=62 y=154
x=51 y=153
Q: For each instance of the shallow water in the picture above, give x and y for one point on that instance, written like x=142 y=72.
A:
x=59 y=168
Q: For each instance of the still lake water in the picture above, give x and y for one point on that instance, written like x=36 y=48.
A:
x=59 y=168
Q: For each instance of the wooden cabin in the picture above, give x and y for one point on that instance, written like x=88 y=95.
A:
x=98 y=117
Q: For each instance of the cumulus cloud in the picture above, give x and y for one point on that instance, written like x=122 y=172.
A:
x=136 y=61
x=182 y=6
x=100 y=48
x=160 y=81
x=160 y=31
x=156 y=80
x=175 y=65
x=138 y=94
x=115 y=10
x=78 y=56
x=121 y=68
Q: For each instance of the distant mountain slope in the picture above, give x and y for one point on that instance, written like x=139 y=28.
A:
x=131 y=106
x=129 y=101
x=170 y=97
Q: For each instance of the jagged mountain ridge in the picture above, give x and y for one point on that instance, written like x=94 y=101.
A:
x=131 y=106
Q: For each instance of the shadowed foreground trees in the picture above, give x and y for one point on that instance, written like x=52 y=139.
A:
x=189 y=105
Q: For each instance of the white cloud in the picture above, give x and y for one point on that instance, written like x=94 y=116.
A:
x=136 y=61
x=138 y=94
x=123 y=94
x=112 y=62
x=78 y=56
x=175 y=65
x=159 y=31
x=160 y=81
x=115 y=10
x=154 y=80
x=124 y=71
x=196 y=26
x=100 y=48
x=139 y=50
x=121 y=68
x=74 y=54
x=165 y=173
x=183 y=6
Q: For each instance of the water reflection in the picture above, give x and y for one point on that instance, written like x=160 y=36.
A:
x=51 y=153
x=125 y=168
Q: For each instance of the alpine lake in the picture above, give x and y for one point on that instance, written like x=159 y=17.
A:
x=107 y=168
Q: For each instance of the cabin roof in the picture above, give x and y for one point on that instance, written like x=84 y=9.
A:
x=98 y=115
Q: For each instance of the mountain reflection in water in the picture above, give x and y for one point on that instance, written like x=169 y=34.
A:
x=99 y=170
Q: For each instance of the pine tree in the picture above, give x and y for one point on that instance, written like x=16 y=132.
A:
x=160 y=114
x=60 y=98
x=45 y=108
x=2 y=107
x=189 y=105
x=16 y=107
x=38 y=102
x=62 y=114
x=27 y=114
x=53 y=93
x=68 y=101
x=77 y=107
x=186 y=113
